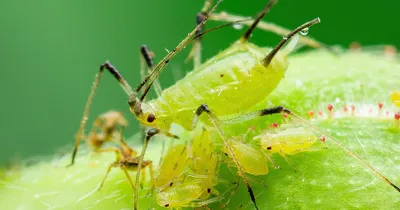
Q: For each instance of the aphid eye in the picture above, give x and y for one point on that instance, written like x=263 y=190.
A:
x=208 y=190
x=166 y=205
x=269 y=148
x=151 y=118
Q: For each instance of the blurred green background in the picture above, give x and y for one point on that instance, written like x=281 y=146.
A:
x=50 y=51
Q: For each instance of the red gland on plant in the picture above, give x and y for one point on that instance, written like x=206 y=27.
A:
x=311 y=113
x=274 y=125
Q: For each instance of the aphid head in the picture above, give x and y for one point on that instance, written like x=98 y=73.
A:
x=144 y=113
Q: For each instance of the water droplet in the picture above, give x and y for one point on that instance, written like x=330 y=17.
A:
x=237 y=26
x=304 y=31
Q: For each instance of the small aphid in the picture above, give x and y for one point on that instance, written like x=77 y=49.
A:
x=353 y=109
x=288 y=141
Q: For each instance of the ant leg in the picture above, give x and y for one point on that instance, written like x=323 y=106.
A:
x=128 y=176
x=204 y=108
x=125 y=86
x=112 y=149
x=112 y=165
x=195 y=53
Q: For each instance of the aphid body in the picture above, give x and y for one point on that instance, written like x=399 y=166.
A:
x=289 y=141
x=229 y=83
x=253 y=160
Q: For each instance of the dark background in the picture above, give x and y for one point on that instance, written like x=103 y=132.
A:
x=50 y=51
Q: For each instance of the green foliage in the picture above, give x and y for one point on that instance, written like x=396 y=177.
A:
x=324 y=178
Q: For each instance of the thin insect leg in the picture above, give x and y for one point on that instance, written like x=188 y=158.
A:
x=286 y=158
x=127 y=88
x=204 y=108
x=235 y=188
x=270 y=160
x=267 y=26
x=129 y=176
x=149 y=134
x=195 y=53
x=349 y=152
x=112 y=165
x=160 y=66
x=260 y=15
x=267 y=60
x=203 y=203
x=143 y=177
x=118 y=154
x=146 y=59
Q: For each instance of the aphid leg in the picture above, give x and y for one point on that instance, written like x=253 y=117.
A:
x=267 y=26
x=270 y=160
x=146 y=59
x=195 y=52
x=127 y=88
x=150 y=133
x=204 y=108
x=234 y=190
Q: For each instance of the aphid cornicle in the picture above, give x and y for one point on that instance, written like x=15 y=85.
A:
x=219 y=87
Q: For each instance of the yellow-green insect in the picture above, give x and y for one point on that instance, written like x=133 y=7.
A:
x=219 y=87
x=187 y=176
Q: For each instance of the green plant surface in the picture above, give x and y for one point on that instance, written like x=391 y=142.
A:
x=324 y=178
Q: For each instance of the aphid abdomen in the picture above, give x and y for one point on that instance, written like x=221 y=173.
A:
x=172 y=166
x=252 y=160
x=289 y=141
x=232 y=81
x=179 y=195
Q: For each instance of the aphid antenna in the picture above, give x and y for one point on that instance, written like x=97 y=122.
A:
x=267 y=60
x=348 y=151
x=160 y=66
x=260 y=15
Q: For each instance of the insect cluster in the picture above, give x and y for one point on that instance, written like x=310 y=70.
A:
x=188 y=174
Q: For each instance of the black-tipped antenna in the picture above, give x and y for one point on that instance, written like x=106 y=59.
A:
x=267 y=60
x=160 y=66
x=260 y=15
